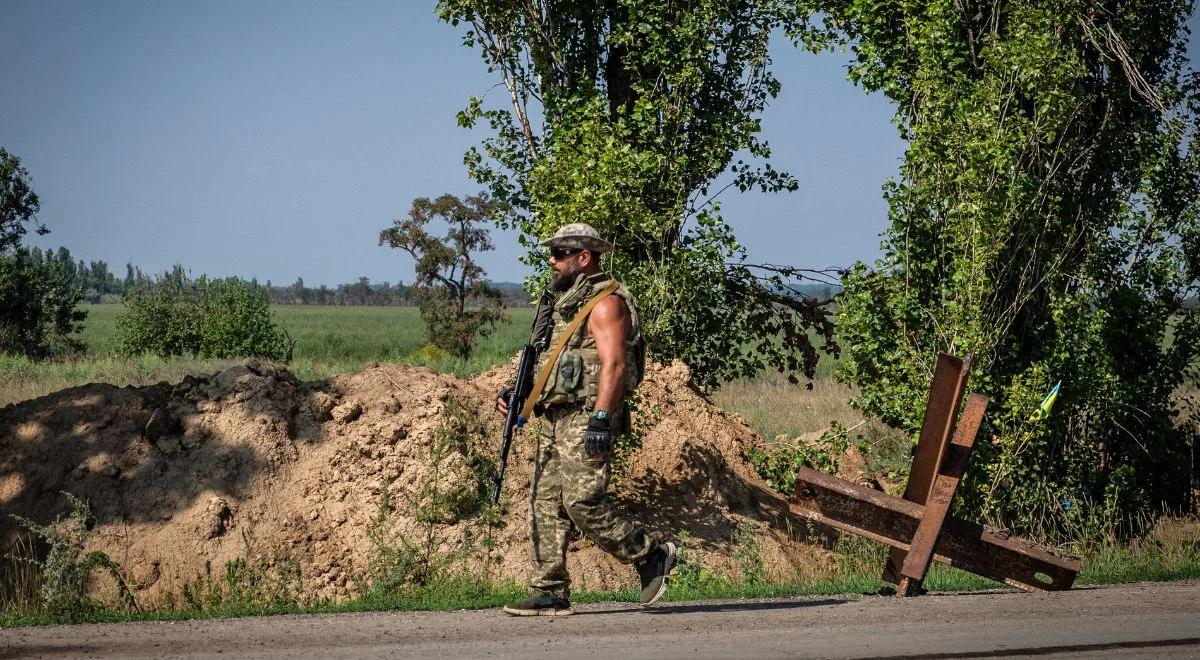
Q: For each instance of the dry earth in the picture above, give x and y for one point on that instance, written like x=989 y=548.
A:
x=250 y=462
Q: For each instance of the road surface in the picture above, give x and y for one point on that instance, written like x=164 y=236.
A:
x=1138 y=620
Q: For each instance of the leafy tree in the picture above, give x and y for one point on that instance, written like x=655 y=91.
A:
x=457 y=303
x=1046 y=222
x=38 y=307
x=217 y=318
x=621 y=114
x=18 y=203
x=38 y=299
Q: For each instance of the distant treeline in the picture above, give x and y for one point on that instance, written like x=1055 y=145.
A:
x=364 y=293
x=100 y=284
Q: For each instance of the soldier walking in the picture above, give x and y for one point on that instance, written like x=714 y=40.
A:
x=582 y=406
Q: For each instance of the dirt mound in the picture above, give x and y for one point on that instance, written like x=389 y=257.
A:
x=251 y=462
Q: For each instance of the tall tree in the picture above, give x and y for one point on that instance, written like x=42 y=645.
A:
x=18 y=203
x=1046 y=222
x=38 y=298
x=622 y=114
x=457 y=302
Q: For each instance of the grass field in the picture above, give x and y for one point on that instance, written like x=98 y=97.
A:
x=340 y=339
x=329 y=340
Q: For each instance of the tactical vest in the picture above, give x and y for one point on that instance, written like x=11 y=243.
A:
x=576 y=375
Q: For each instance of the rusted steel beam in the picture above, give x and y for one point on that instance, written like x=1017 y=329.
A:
x=937 y=505
x=869 y=513
x=949 y=383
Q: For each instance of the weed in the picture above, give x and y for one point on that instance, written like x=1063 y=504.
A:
x=410 y=552
x=464 y=491
x=245 y=585
x=779 y=461
x=20 y=577
x=63 y=576
x=689 y=573
x=639 y=418
x=748 y=554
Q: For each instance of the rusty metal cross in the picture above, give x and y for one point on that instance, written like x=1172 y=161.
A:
x=919 y=527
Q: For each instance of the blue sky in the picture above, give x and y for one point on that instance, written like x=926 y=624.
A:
x=275 y=139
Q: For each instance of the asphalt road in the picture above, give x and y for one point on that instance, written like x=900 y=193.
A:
x=1139 y=620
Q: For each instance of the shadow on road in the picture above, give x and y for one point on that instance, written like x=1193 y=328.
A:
x=746 y=606
x=689 y=608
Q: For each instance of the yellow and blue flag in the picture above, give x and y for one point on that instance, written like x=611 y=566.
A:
x=1043 y=409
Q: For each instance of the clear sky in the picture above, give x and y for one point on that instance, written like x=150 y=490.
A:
x=275 y=139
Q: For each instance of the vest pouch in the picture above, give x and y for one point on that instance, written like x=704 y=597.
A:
x=564 y=381
x=591 y=376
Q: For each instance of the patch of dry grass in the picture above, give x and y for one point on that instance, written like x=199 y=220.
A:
x=781 y=412
x=774 y=407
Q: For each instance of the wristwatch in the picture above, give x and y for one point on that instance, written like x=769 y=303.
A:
x=600 y=414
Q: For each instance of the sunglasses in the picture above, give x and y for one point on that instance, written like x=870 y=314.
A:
x=562 y=253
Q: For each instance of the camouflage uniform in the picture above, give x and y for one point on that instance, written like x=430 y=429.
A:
x=568 y=487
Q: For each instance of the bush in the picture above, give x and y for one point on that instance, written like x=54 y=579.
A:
x=65 y=572
x=38 y=307
x=205 y=318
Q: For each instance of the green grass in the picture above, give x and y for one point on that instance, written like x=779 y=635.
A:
x=338 y=339
x=1106 y=564
x=329 y=340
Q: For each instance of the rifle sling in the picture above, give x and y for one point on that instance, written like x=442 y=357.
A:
x=556 y=351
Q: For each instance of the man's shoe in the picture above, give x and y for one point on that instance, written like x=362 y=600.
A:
x=541 y=603
x=655 y=570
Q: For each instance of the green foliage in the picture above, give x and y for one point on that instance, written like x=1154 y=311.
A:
x=218 y=318
x=689 y=572
x=38 y=300
x=65 y=572
x=412 y=553
x=457 y=303
x=460 y=477
x=245 y=586
x=778 y=461
x=39 y=308
x=641 y=416
x=18 y=203
x=642 y=105
x=1046 y=222
x=749 y=554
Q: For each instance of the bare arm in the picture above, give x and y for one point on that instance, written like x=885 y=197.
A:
x=609 y=325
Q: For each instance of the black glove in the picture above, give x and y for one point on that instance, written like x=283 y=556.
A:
x=598 y=440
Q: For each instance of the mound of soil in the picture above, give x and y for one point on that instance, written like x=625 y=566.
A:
x=251 y=462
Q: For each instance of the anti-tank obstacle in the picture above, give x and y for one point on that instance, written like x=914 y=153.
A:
x=917 y=526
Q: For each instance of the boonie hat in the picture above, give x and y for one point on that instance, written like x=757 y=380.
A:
x=579 y=236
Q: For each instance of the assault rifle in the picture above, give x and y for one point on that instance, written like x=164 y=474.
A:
x=539 y=340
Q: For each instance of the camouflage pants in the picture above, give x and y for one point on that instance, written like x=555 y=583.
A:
x=569 y=488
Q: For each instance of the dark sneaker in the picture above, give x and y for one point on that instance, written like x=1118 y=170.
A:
x=541 y=603
x=655 y=570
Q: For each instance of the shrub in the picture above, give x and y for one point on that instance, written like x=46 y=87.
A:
x=38 y=307
x=778 y=461
x=218 y=318
x=418 y=553
x=66 y=569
